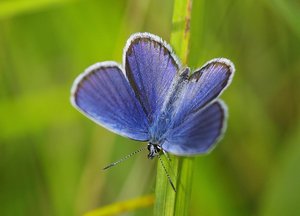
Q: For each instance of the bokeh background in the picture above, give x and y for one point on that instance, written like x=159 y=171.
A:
x=51 y=156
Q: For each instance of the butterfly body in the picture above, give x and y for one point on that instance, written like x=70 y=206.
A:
x=153 y=98
x=164 y=120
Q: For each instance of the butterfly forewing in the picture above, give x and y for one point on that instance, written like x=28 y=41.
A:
x=203 y=86
x=104 y=95
x=150 y=67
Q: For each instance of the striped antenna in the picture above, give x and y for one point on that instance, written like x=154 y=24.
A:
x=167 y=174
x=124 y=158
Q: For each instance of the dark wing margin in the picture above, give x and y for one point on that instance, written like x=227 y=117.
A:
x=150 y=66
x=103 y=94
x=200 y=131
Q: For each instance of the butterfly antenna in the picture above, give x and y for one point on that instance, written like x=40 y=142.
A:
x=170 y=168
x=167 y=174
x=124 y=158
x=169 y=163
x=167 y=156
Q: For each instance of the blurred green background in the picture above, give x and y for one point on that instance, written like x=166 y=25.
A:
x=51 y=156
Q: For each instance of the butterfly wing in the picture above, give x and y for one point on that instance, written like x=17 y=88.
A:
x=203 y=86
x=104 y=95
x=199 y=132
x=150 y=66
x=199 y=119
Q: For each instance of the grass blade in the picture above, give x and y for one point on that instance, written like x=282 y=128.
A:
x=167 y=201
x=122 y=207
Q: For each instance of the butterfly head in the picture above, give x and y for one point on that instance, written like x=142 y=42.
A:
x=154 y=150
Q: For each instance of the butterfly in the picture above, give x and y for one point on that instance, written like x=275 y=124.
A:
x=153 y=98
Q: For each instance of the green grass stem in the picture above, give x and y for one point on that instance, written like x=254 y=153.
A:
x=180 y=169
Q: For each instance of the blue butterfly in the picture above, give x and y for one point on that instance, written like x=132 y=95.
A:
x=153 y=98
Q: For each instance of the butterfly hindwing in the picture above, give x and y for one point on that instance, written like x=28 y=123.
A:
x=199 y=132
x=104 y=95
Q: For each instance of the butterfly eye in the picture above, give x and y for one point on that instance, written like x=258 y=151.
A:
x=149 y=146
